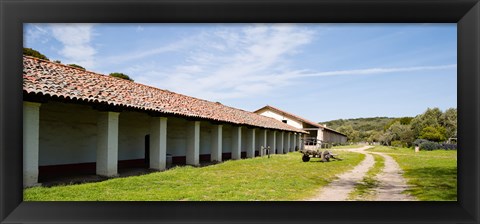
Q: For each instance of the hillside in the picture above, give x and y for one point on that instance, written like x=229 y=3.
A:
x=433 y=125
x=361 y=124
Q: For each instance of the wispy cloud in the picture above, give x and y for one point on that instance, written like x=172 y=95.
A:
x=77 y=43
x=34 y=33
x=371 y=71
x=140 y=54
x=247 y=65
x=232 y=62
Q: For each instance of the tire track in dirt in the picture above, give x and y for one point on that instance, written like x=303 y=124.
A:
x=391 y=182
x=339 y=189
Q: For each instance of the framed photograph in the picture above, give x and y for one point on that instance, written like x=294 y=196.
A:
x=66 y=144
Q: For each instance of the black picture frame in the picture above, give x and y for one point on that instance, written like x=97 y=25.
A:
x=466 y=13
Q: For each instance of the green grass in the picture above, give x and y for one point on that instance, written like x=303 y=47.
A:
x=365 y=190
x=282 y=177
x=432 y=174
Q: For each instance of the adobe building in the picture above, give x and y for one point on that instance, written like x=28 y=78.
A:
x=317 y=134
x=79 y=120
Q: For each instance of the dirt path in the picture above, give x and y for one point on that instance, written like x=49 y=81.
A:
x=339 y=189
x=391 y=181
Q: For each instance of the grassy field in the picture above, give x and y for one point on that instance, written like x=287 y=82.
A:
x=364 y=191
x=280 y=178
x=432 y=174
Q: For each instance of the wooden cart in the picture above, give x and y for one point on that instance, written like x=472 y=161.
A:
x=325 y=156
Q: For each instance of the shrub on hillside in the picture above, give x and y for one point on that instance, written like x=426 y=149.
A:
x=34 y=53
x=418 y=142
x=429 y=146
x=448 y=146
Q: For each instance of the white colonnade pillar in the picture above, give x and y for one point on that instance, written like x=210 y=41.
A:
x=216 y=154
x=236 y=142
x=158 y=143
x=287 y=145
x=31 y=135
x=301 y=142
x=294 y=142
x=107 y=144
x=193 y=143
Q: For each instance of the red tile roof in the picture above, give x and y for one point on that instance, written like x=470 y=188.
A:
x=51 y=79
x=268 y=107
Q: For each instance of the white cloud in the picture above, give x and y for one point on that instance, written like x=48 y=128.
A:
x=76 y=40
x=233 y=63
x=34 y=33
x=130 y=56
x=370 y=71
x=239 y=62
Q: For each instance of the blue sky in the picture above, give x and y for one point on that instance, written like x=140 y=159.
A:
x=318 y=71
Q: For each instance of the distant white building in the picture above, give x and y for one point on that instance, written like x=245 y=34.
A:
x=317 y=133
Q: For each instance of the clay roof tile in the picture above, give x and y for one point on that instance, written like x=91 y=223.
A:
x=54 y=79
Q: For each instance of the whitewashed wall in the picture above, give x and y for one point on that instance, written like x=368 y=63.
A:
x=277 y=116
x=330 y=136
x=68 y=134
x=245 y=133
x=323 y=135
x=326 y=136
x=176 y=136
x=320 y=134
x=227 y=139
x=258 y=141
x=205 y=137
x=132 y=129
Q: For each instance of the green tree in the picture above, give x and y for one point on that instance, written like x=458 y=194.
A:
x=365 y=135
x=433 y=133
x=352 y=135
x=449 y=121
x=401 y=120
x=399 y=132
x=121 y=75
x=386 y=138
x=34 y=53
x=431 y=117
x=405 y=120
x=375 y=136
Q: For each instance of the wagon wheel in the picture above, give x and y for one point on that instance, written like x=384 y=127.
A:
x=305 y=158
x=326 y=156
